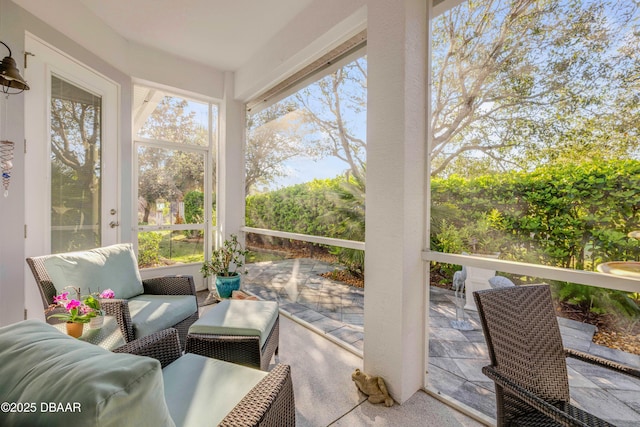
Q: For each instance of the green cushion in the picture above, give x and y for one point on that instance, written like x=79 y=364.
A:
x=42 y=365
x=111 y=267
x=238 y=317
x=199 y=388
x=152 y=313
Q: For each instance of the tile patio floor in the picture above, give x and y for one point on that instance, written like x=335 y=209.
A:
x=336 y=311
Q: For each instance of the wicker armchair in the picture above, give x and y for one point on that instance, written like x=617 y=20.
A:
x=528 y=362
x=269 y=403
x=119 y=308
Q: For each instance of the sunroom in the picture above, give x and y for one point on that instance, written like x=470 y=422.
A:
x=497 y=136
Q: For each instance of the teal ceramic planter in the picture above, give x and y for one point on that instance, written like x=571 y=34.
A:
x=226 y=285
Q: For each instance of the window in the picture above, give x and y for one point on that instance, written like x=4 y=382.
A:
x=535 y=130
x=175 y=156
x=535 y=159
x=306 y=163
x=76 y=167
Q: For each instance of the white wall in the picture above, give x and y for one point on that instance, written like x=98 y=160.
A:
x=12 y=208
x=231 y=162
x=78 y=23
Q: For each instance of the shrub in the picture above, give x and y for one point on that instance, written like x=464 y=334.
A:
x=149 y=248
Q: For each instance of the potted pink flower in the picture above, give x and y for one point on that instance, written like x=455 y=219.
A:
x=80 y=311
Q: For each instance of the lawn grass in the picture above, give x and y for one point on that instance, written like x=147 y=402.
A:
x=176 y=247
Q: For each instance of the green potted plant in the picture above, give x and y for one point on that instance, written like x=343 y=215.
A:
x=224 y=264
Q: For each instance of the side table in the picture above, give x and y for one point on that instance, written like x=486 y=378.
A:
x=109 y=336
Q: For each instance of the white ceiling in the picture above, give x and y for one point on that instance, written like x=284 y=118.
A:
x=223 y=34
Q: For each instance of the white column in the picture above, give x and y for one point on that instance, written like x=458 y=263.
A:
x=231 y=161
x=396 y=156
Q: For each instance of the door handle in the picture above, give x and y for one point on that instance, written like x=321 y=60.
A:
x=114 y=224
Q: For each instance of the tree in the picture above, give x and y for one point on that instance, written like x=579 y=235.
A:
x=333 y=107
x=274 y=136
x=169 y=174
x=514 y=79
x=321 y=120
x=75 y=165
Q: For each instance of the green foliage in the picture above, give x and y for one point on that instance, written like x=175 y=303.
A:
x=194 y=207
x=149 y=248
x=522 y=83
x=567 y=215
x=225 y=260
x=296 y=209
x=598 y=300
x=349 y=218
x=327 y=207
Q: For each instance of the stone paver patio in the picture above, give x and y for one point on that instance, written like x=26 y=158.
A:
x=455 y=356
x=331 y=307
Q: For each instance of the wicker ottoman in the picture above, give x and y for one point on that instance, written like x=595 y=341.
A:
x=238 y=331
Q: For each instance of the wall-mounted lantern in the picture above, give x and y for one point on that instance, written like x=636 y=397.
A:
x=11 y=83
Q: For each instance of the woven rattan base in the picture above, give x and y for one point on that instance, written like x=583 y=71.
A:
x=243 y=350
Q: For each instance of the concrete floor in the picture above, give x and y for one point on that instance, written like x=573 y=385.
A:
x=325 y=395
x=335 y=311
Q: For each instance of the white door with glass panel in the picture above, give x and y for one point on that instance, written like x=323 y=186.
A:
x=71 y=179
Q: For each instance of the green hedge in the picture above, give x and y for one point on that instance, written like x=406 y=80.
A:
x=570 y=215
x=301 y=208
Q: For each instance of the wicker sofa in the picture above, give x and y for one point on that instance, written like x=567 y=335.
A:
x=141 y=307
x=55 y=380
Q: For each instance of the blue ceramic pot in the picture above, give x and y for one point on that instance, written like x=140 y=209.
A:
x=226 y=285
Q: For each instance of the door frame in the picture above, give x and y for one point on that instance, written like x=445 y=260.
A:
x=46 y=61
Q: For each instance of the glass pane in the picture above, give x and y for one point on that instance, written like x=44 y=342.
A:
x=173 y=119
x=170 y=186
x=534 y=144
x=534 y=158
x=159 y=248
x=306 y=174
x=308 y=281
x=306 y=158
x=75 y=167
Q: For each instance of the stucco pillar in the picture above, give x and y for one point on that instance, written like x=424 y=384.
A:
x=396 y=144
x=231 y=161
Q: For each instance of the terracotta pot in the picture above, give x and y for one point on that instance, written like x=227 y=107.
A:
x=74 y=329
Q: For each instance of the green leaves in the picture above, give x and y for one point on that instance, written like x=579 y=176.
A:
x=226 y=260
x=567 y=215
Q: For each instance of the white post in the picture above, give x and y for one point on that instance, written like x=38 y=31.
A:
x=231 y=161
x=396 y=154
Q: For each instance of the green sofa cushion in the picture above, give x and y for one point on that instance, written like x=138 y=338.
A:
x=152 y=313
x=199 y=388
x=111 y=267
x=238 y=317
x=39 y=364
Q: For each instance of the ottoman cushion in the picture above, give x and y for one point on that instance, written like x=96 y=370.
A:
x=202 y=391
x=238 y=317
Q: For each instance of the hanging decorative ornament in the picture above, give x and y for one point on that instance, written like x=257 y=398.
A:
x=6 y=164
